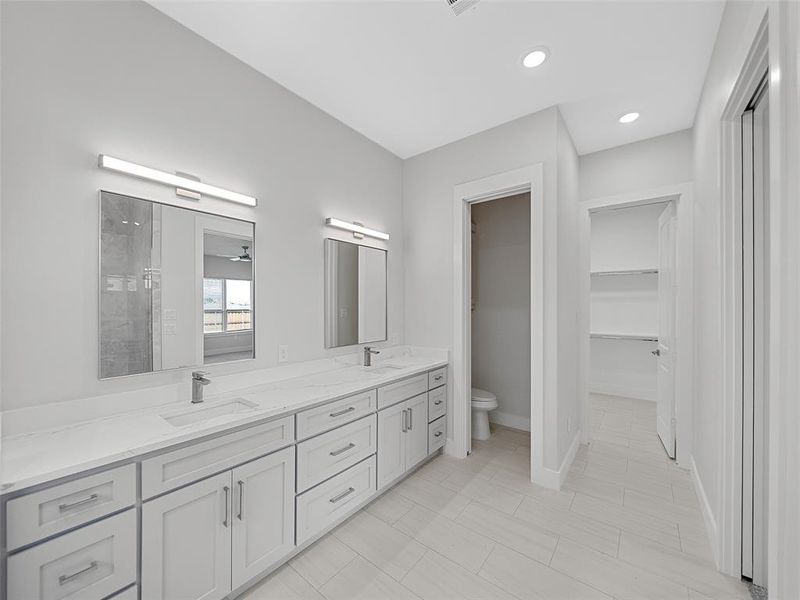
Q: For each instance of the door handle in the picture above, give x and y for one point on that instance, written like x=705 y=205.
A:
x=405 y=427
x=240 y=516
x=227 y=492
x=410 y=419
x=656 y=352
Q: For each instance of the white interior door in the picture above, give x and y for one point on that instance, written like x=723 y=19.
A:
x=755 y=324
x=666 y=329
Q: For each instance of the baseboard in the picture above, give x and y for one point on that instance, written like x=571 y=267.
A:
x=708 y=514
x=552 y=478
x=626 y=391
x=509 y=420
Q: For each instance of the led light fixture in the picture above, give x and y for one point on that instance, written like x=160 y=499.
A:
x=356 y=228
x=180 y=182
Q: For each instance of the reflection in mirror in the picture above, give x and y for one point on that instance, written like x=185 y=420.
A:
x=355 y=294
x=176 y=287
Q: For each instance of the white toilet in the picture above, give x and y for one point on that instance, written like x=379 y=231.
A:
x=482 y=403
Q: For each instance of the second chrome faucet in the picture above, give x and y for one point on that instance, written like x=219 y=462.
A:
x=368 y=352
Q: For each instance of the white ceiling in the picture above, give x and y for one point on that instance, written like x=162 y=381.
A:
x=411 y=76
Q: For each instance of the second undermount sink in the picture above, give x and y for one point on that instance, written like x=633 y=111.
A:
x=382 y=370
x=200 y=413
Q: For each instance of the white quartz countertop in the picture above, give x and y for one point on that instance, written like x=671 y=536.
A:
x=38 y=457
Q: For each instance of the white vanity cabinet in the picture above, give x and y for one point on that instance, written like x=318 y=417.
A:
x=402 y=438
x=202 y=541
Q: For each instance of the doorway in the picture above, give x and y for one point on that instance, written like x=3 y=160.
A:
x=500 y=316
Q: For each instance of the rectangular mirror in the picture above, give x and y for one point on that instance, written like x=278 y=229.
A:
x=176 y=287
x=355 y=294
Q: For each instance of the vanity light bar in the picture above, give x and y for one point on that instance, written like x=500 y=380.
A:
x=123 y=166
x=356 y=228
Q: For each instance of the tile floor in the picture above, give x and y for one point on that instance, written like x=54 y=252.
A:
x=627 y=525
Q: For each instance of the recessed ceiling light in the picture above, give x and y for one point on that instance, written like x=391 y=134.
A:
x=534 y=58
x=629 y=117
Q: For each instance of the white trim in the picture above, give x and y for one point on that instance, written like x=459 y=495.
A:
x=517 y=181
x=681 y=195
x=729 y=533
x=554 y=479
x=626 y=391
x=509 y=420
x=705 y=508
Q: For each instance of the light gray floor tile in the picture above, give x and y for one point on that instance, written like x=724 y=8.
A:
x=605 y=490
x=390 y=507
x=510 y=531
x=630 y=481
x=433 y=496
x=526 y=578
x=487 y=491
x=381 y=544
x=283 y=584
x=321 y=561
x=436 y=578
x=361 y=580
x=449 y=538
x=616 y=578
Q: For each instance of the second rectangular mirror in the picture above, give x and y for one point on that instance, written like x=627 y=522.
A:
x=355 y=294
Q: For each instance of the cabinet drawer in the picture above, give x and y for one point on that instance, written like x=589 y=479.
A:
x=322 y=418
x=437 y=434
x=402 y=390
x=323 y=456
x=173 y=469
x=437 y=403
x=437 y=378
x=89 y=563
x=61 y=507
x=334 y=499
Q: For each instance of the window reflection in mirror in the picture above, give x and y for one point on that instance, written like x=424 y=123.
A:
x=355 y=294
x=176 y=287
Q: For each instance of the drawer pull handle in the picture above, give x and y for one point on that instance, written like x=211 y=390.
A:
x=405 y=421
x=227 y=492
x=71 y=505
x=64 y=579
x=437 y=378
x=437 y=434
x=240 y=516
x=344 y=494
x=342 y=412
x=349 y=446
x=410 y=419
x=437 y=403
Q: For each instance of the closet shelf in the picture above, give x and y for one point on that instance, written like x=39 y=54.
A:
x=625 y=272
x=624 y=336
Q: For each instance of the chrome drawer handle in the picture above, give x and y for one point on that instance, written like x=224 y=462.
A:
x=71 y=505
x=349 y=446
x=345 y=493
x=227 y=491
x=405 y=421
x=342 y=412
x=437 y=434
x=63 y=579
x=410 y=419
x=241 y=501
x=437 y=378
x=437 y=403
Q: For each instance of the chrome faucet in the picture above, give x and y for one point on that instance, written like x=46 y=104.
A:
x=199 y=380
x=368 y=352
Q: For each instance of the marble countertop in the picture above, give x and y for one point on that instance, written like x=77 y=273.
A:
x=38 y=457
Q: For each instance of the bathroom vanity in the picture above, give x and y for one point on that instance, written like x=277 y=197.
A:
x=201 y=501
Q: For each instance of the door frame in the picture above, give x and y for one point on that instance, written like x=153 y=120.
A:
x=682 y=196
x=509 y=183
x=727 y=541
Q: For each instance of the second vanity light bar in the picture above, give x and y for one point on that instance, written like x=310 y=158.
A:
x=356 y=228
x=185 y=183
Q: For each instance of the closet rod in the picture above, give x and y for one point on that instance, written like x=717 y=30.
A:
x=626 y=272
x=623 y=336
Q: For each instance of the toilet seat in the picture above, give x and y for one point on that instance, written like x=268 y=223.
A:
x=479 y=395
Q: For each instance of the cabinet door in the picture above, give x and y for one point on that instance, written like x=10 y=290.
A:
x=391 y=443
x=263 y=514
x=186 y=542
x=417 y=430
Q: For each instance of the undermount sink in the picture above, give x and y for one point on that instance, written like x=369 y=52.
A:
x=383 y=369
x=198 y=414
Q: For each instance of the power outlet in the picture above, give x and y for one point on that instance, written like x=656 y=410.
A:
x=569 y=424
x=283 y=354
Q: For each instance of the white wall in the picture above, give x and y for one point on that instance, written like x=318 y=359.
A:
x=646 y=165
x=78 y=80
x=428 y=182
x=737 y=31
x=501 y=320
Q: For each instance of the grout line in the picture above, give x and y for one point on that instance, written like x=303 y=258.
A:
x=555 y=549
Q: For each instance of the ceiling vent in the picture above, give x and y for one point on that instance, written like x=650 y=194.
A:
x=460 y=6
